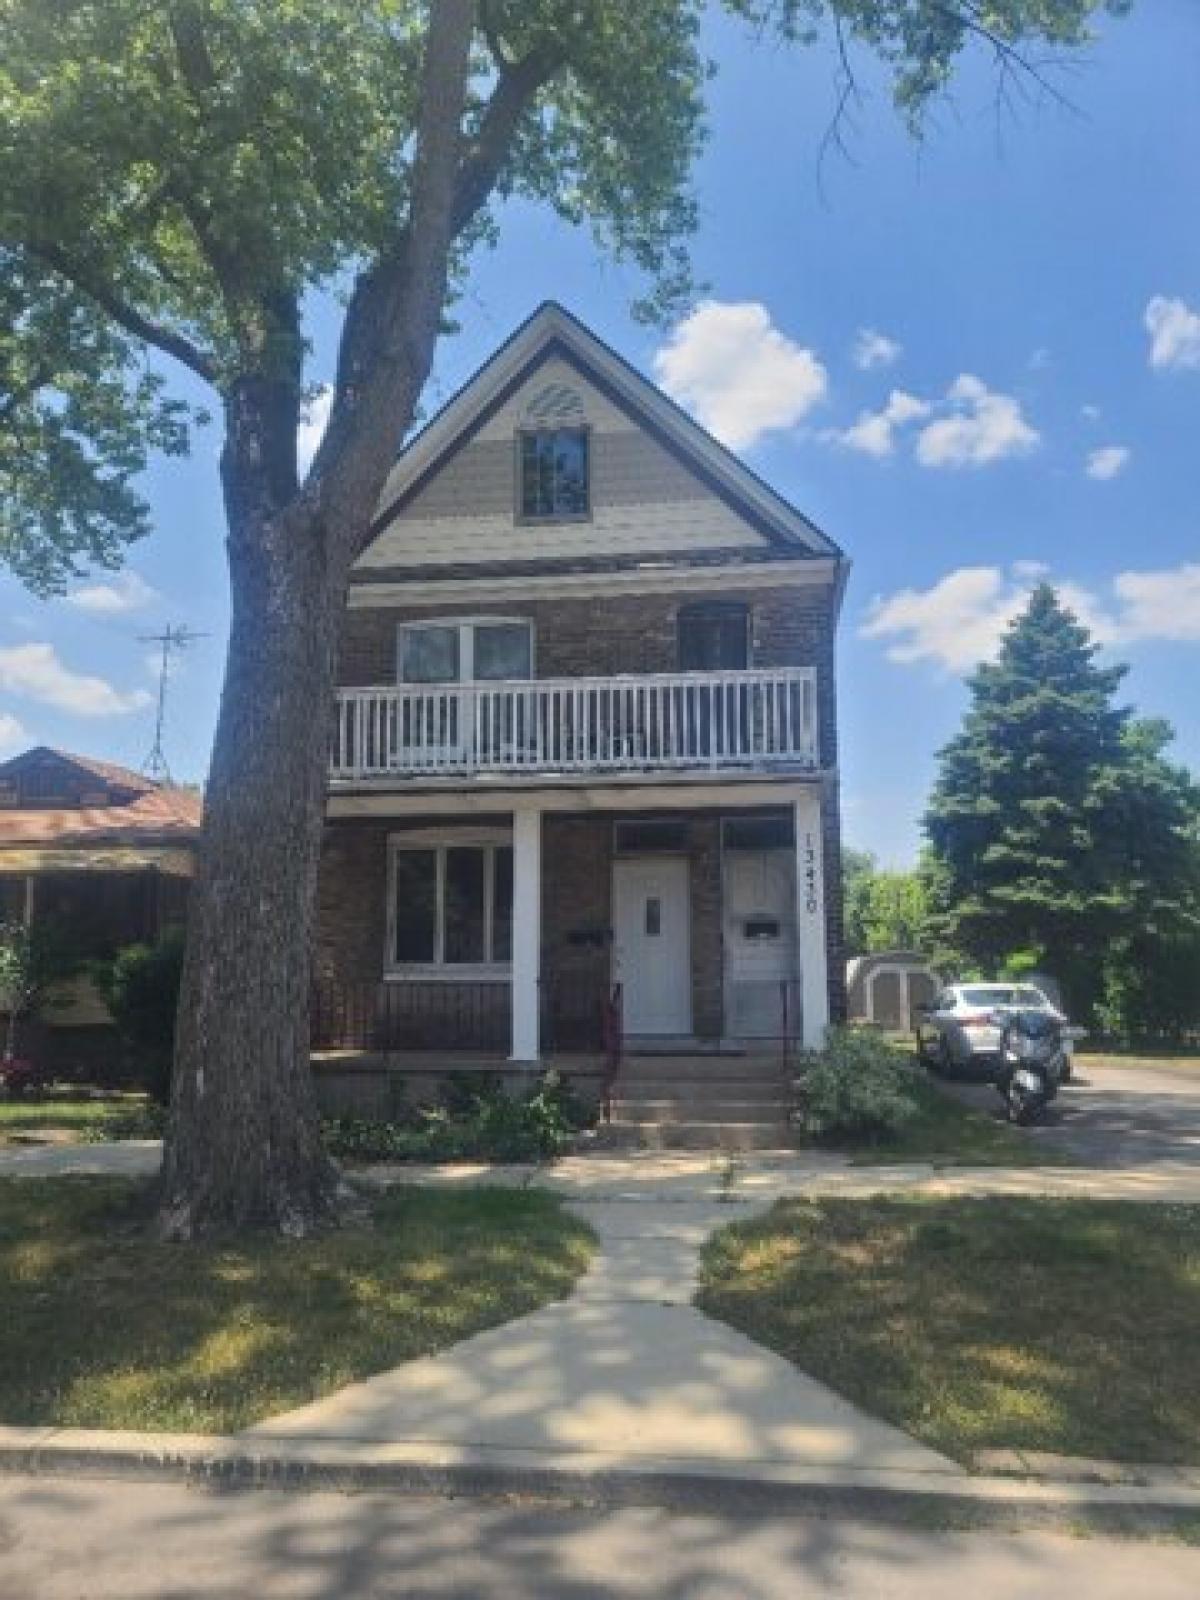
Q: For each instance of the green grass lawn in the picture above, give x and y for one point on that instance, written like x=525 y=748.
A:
x=89 y=1117
x=1063 y=1326
x=102 y=1328
x=948 y=1133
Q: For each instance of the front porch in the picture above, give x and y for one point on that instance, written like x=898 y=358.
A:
x=577 y=923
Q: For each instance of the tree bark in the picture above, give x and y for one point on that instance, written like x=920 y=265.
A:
x=243 y=1144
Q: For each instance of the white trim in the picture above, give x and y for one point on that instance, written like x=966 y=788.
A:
x=552 y=322
x=673 y=579
x=439 y=840
x=811 y=942
x=526 y=933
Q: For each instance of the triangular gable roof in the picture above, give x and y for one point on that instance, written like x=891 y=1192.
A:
x=553 y=330
x=106 y=772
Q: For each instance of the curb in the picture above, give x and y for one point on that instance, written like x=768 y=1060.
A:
x=581 y=1479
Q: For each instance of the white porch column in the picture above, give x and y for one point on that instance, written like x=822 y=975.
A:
x=810 y=917
x=526 y=932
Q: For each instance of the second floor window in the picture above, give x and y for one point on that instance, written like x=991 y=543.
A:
x=553 y=474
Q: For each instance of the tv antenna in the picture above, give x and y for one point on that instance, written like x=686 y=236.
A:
x=171 y=641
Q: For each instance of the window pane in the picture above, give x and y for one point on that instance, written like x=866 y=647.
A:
x=712 y=639
x=554 y=473
x=502 y=906
x=464 y=905
x=502 y=650
x=570 y=473
x=429 y=655
x=415 y=905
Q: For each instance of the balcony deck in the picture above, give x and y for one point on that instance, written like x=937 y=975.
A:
x=756 y=720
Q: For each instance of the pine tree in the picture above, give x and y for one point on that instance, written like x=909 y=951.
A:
x=1056 y=827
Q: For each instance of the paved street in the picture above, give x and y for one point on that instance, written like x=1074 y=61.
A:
x=1114 y=1115
x=82 y=1540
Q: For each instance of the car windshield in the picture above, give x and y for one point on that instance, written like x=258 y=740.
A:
x=988 y=997
x=1032 y=997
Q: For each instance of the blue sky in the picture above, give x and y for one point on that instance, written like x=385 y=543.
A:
x=1028 y=402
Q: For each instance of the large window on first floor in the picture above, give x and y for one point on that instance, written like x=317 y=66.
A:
x=450 y=904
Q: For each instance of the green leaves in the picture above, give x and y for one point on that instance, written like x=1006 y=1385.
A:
x=1056 y=825
x=79 y=416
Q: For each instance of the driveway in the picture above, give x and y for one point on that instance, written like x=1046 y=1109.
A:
x=1114 y=1114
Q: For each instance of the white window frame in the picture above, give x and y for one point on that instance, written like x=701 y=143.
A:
x=466 y=646
x=439 y=840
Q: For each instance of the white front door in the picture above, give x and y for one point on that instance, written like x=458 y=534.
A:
x=760 y=940
x=652 y=943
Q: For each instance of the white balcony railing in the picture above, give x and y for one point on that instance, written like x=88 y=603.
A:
x=664 y=721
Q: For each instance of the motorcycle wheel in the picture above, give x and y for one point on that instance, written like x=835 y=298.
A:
x=1023 y=1110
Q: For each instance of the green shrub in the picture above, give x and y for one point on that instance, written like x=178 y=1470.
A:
x=141 y=988
x=486 y=1124
x=858 y=1087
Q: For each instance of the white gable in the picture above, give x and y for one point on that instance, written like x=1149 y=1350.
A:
x=645 y=501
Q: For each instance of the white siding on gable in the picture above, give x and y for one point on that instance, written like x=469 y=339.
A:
x=644 y=500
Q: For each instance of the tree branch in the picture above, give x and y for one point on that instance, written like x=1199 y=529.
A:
x=516 y=87
x=127 y=316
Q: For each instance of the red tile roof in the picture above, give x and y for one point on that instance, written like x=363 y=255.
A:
x=142 y=811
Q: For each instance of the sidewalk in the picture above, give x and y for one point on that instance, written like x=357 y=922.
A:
x=625 y=1393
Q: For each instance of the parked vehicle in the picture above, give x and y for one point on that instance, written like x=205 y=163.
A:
x=963 y=1027
x=1033 y=1062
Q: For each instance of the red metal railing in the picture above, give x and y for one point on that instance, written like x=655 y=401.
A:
x=614 y=1042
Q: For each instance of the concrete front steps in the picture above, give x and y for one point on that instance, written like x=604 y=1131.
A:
x=700 y=1102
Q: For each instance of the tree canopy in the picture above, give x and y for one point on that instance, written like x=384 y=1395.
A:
x=1058 y=829
x=884 y=909
x=177 y=177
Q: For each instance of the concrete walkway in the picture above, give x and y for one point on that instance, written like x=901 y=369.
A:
x=626 y=1369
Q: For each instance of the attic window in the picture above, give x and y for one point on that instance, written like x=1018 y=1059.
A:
x=553 y=474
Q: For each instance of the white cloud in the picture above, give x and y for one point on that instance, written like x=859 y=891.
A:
x=1090 y=413
x=11 y=731
x=983 y=427
x=955 y=624
x=738 y=373
x=959 y=620
x=874 y=433
x=1162 y=605
x=1174 y=330
x=874 y=349
x=128 y=591
x=312 y=426
x=36 y=672
x=1108 y=461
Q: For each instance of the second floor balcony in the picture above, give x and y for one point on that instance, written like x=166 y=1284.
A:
x=759 y=719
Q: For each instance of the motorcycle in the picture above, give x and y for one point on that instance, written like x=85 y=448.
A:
x=1033 y=1063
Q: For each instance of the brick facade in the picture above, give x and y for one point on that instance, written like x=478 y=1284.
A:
x=789 y=626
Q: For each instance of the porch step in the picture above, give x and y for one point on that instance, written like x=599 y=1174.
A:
x=699 y=1113
x=731 y=1136
x=709 y=1048
x=699 y=1091
x=701 y=1069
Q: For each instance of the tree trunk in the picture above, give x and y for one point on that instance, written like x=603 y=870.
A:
x=243 y=1144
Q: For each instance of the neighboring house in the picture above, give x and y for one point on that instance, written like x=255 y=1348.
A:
x=885 y=988
x=94 y=857
x=586 y=741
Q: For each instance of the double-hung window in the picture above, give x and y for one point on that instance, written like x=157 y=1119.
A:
x=552 y=474
x=475 y=649
x=450 y=906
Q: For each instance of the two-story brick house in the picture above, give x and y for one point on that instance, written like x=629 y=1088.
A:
x=586 y=734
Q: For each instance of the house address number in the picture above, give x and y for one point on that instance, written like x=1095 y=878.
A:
x=809 y=875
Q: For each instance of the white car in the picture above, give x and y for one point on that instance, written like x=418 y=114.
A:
x=960 y=1028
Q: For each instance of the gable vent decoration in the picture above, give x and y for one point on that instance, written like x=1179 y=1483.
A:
x=555 y=406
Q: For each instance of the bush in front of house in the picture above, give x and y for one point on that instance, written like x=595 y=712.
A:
x=487 y=1124
x=859 y=1087
x=140 y=986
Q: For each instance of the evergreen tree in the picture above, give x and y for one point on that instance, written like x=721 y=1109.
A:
x=1057 y=829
